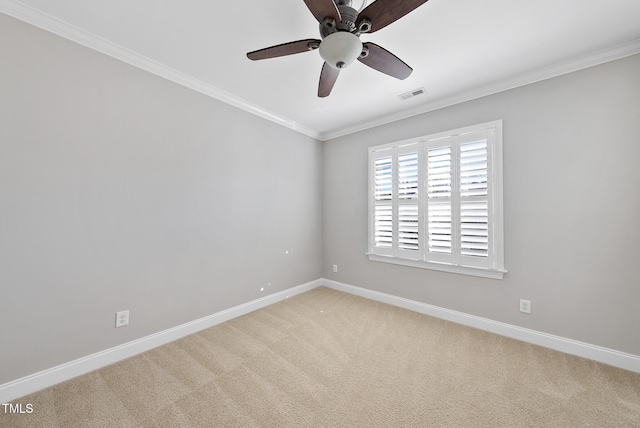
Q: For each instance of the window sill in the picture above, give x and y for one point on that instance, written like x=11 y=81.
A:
x=464 y=270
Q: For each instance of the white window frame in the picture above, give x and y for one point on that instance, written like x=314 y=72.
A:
x=491 y=266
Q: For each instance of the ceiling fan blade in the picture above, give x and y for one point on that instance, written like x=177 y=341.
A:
x=285 y=49
x=383 y=12
x=322 y=9
x=328 y=77
x=384 y=61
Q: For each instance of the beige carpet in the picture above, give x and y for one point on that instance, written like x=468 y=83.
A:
x=330 y=359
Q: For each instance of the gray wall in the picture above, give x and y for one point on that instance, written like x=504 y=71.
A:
x=121 y=190
x=571 y=208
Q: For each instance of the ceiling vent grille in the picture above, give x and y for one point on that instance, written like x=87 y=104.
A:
x=411 y=94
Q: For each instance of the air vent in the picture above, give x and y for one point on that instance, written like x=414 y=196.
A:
x=411 y=94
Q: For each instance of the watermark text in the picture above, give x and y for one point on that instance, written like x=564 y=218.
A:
x=18 y=408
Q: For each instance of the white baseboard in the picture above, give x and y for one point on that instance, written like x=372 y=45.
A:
x=592 y=352
x=46 y=378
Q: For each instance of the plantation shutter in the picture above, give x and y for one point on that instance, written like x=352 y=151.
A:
x=383 y=235
x=396 y=208
x=407 y=202
x=439 y=201
x=436 y=201
x=473 y=152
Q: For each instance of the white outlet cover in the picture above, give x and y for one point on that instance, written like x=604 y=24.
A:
x=525 y=306
x=122 y=318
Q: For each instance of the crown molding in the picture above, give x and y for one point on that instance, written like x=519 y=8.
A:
x=61 y=28
x=613 y=53
x=70 y=32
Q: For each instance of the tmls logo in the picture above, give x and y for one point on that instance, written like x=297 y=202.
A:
x=17 y=408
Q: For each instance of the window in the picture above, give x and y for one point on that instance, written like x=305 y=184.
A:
x=436 y=202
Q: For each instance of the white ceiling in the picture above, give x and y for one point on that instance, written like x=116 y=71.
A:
x=459 y=50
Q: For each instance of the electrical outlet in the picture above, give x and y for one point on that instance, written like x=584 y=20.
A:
x=122 y=318
x=335 y=268
x=525 y=306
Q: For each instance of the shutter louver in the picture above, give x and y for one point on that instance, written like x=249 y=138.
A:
x=408 y=227
x=474 y=230
x=474 y=213
x=473 y=169
x=383 y=193
x=383 y=179
x=439 y=172
x=439 y=167
x=408 y=211
x=408 y=176
x=440 y=227
x=383 y=226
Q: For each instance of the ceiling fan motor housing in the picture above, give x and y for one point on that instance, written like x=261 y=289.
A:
x=348 y=18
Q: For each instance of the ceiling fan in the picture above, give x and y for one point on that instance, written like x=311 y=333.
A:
x=340 y=29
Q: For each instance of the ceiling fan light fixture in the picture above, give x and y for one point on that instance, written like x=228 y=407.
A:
x=340 y=28
x=340 y=49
